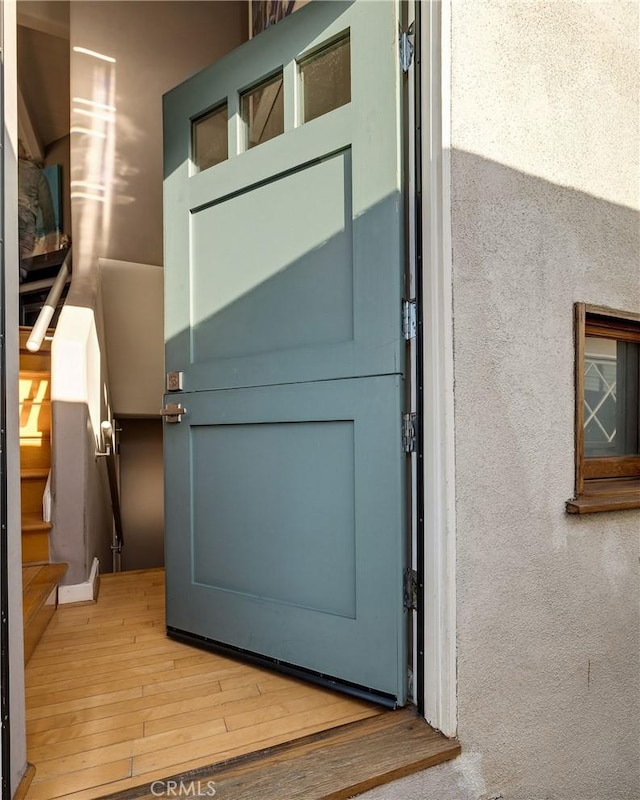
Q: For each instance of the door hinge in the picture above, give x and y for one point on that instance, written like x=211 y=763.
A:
x=410 y=589
x=173 y=412
x=409 y=320
x=405 y=47
x=409 y=434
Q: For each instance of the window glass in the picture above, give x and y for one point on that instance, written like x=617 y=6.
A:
x=610 y=397
x=325 y=80
x=262 y=109
x=210 y=139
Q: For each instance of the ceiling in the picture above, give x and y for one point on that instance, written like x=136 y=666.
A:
x=43 y=68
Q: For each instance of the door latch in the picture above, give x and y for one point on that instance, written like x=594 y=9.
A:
x=173 y=412
x=175 y=381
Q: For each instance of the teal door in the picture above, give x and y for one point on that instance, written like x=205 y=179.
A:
x=285 y=529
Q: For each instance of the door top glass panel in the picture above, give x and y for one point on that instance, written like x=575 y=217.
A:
x=210 y=139
x=325 y=79
x=262 y=110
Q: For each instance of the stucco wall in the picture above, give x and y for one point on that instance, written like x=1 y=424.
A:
x=545 y=197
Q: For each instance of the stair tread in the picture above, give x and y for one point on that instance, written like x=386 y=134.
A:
x=35 y=373
x=34 y=522
x=31 y=473
x=28 y=574
x=40 y=586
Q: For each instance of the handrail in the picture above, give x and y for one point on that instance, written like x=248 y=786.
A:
x=110 y=455
x=46 y=312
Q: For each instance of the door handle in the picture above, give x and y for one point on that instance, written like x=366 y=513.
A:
x=173 y=412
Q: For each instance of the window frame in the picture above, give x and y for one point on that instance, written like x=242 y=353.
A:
x=602 y=483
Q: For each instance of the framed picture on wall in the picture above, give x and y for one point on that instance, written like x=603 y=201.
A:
x=48 y=230
x=264 y=13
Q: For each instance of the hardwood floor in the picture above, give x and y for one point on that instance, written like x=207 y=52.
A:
x=113 y=704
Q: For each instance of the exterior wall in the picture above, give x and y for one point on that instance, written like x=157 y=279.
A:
x=544 y=181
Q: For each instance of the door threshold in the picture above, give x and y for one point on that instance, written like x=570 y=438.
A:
x=331 y=765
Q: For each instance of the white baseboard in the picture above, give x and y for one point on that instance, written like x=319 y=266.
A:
x=81 y=592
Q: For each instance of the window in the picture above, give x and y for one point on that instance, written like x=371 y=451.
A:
x=607 y=410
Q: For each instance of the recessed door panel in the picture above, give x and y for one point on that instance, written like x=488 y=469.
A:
x=292 y=243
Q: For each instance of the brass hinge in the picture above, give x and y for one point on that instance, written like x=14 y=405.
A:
x=409 y=432
x=409 y=321
x=405 y=47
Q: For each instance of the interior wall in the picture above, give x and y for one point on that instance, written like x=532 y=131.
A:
x=150 y=46
x=545 y=149
x=133 y=308
x=141 y=494
x=124 y=56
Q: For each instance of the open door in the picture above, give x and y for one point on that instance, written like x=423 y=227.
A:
x=284 y=466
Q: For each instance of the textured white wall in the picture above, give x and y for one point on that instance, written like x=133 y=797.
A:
x=545 y=198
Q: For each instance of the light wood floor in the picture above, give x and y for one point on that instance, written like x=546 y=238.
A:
x=112 y=703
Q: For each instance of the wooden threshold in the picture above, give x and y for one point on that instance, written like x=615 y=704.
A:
x=331 y=765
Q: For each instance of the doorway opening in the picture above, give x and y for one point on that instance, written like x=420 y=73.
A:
x=109 y=116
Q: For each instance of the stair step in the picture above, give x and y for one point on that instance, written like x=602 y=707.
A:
x=32 y=491
x=39 y=362
x=25 y=332
x=35 y=538
x=34 y=522
x=33 y=473
x=39 y=601
x=34 y=385
x=35 y=452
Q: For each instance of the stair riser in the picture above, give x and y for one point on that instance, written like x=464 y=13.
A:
x=35 y=419
x=35 y=452
x=34 y=361
x=31 y=494
x=35 y=547
x=34 y=386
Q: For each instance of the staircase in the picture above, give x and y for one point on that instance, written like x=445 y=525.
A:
x=39 y=578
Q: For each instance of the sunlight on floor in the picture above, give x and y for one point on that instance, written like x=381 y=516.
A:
x=112 y=703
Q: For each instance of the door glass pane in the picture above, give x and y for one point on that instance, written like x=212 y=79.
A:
x=210 y=139
x=262 y=110
x=610 y=397
x=325 y=79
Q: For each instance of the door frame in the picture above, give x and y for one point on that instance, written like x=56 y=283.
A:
x=438 y=562
x=13 y=729
x=438 y=594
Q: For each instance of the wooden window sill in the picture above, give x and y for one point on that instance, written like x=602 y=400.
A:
x=606 y=495
x=331 y=765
